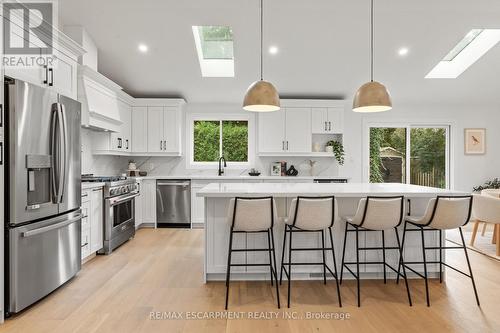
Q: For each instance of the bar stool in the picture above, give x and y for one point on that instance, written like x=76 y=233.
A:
x=310 y=214
x=252 y=215
x=375 y=214
x=442 y=213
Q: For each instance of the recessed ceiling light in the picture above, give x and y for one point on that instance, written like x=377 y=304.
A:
x=273 y=49
x=470 y=49
x=143 y=48
x=403 y=51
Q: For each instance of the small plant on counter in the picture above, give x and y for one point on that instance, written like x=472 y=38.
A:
x=490 y=184
x=338 y=150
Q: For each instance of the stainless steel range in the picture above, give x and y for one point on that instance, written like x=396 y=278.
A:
x=119 y=210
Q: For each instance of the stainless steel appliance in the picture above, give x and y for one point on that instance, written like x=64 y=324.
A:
x=119 y=210
x=42 y=191
x=173 y=203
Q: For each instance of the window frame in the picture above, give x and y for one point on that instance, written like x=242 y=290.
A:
x=219 y=117
x=408 y=125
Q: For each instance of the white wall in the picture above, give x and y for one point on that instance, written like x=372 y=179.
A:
x=468 y=170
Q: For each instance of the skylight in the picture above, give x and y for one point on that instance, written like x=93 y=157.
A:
x=472 y=47
x=214 y=45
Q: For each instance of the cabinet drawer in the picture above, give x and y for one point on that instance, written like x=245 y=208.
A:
x=85 y=196
x=85 y=222
x=85 y=242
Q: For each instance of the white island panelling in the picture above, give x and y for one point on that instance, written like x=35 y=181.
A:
x=217 y=196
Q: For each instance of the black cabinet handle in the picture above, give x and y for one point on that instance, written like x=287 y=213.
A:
x=46 y=75
x=1 y=115
x=1 y=153
x=126 y=144
x=119 y=142
x=51 y=71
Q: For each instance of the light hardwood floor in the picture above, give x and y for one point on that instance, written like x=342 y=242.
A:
x=161 y=270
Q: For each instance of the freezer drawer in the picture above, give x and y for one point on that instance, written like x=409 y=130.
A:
x=173 y=203
x=42 y=257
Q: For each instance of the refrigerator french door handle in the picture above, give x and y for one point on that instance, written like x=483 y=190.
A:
x=64 y=158
x=53 y=151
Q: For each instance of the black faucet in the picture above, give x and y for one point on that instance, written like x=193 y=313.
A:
x=221 y=170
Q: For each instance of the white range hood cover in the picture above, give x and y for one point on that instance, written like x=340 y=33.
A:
x=99 y=103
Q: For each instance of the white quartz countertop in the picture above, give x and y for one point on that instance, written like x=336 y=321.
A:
x=89 y=185
x=313 y=189
x=239 y=177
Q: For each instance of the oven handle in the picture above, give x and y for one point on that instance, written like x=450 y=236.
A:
x=114 y=202
x=51 y=227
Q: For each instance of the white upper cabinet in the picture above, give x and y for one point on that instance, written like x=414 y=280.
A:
x=171 y=130
x=63 y=75
x=272 y=131
x=58 y=71
x=298 y=130
x=285 y=131
x=122 y=140
x=327 y=120
x=155 y=129
x=139 y=129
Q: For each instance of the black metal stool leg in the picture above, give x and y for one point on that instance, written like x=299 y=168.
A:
x=335 y=267
x=440 y=256
x=383 y=256
x=402 y=251
x=425 y=268
x=401 y=263
x=324 y=256
x=343 y=254
x=289 y=266
x=468 y=264
x=283 y=255
x=270 y=257
x=275 y=269
x=228 y=271
x=357 y=267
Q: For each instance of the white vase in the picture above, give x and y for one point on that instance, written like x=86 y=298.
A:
x=329 y=149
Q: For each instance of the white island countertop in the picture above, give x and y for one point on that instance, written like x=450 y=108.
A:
x=225 y=190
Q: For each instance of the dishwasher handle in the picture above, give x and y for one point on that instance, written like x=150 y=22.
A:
x=173 y=184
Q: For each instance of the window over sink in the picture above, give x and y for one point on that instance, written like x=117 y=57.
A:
x=216 y=136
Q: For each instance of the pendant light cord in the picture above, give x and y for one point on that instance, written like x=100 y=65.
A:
x=261 y=38
x=371 y=41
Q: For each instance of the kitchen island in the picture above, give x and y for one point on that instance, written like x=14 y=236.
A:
x=217 y=227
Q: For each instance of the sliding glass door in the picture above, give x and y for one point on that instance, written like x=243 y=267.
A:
x=409 y=154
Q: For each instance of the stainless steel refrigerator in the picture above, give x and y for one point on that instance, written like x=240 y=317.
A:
x=42 y=191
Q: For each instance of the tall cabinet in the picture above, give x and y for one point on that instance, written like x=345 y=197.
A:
x=156 y=127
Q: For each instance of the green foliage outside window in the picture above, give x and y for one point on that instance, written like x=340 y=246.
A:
x=206 y=141
x=235 y=141
x=207 y=145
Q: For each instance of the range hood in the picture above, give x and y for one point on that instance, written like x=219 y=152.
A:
x=99 y=99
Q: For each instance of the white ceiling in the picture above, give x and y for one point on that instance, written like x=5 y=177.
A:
x=323 y=47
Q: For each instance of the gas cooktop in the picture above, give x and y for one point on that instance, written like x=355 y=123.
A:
x=101 y=179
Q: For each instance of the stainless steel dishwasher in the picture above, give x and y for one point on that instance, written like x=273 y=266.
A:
x=173 y=203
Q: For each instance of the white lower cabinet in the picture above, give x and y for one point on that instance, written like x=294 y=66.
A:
x=92 y=221
x=138 y=208
x=197 y=204
x=148 y=194
x=96 y=220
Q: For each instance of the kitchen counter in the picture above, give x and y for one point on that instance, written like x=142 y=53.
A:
x=216 y=197
x=241 y=177
x=229 y=190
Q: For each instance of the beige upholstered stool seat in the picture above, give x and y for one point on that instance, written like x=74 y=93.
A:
x=381 y=213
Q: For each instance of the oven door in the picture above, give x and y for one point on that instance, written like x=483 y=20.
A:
x=119 y=215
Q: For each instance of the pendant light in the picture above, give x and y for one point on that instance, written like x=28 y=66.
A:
x=372 y=96
x=261 y=96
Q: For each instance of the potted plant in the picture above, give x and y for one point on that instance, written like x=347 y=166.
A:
x=337 y=149
x=491 y=184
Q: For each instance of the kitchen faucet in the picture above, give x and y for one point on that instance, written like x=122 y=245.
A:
x=221 y=169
